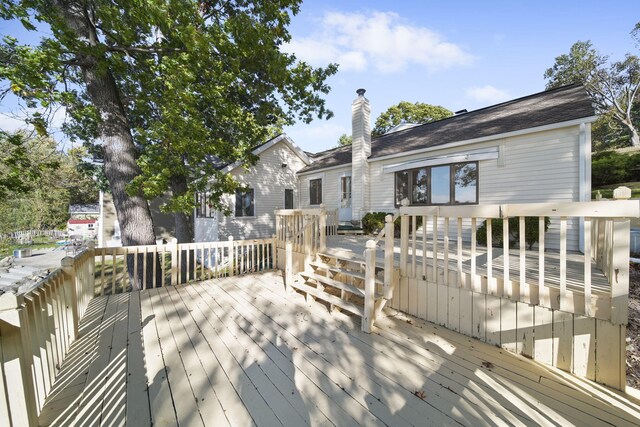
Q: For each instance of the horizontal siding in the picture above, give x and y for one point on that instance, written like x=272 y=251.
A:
x=269 y=180
x=542 y=167
x=330 y=187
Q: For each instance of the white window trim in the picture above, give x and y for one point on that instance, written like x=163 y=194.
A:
x=469 y=156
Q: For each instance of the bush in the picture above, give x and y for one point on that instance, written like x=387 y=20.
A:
x=531 y=235
x=613 y=167
x=373 y=222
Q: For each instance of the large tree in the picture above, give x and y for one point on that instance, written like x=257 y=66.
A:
x=163 y=87
x=410 y=113
x=613 y=86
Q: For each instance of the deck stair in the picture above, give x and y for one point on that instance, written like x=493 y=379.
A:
x=338 y=279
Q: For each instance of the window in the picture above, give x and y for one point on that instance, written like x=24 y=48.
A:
x=402 y=186
x=345 y=192
x=466 y=183
x=438 y=185
x=204 y=206
x=288 y=198
x=244 y=202
x=315 y=191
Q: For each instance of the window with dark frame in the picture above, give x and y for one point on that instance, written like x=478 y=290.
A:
x=288 y=198
x=315 y=191
x=244 y=202
x=452 y=184
x=203 y=206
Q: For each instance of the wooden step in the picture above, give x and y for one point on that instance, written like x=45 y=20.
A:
x=331 y=299
x=337 y=284
x=338 y=269
x=348 y=257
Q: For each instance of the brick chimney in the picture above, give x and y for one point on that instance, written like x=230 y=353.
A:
x=360 y=151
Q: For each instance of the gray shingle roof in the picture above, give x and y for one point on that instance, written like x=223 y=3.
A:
x=84 y=209
x=540 y=109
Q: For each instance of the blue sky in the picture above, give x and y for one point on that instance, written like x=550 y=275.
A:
x=461 y=54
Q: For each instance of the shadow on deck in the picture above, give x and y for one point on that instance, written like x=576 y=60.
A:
x=241 y=351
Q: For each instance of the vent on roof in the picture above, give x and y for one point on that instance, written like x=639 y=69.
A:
x=460 y=112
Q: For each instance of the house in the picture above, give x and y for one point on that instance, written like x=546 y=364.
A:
x=270 y=184
x=531 y=149
x=84 y=229
x=86 y=211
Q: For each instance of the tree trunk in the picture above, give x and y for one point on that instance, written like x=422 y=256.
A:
x=633 y=132
x=184 y=227
x=120 y=164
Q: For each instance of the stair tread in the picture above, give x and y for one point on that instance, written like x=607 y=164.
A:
x=338 y=269
x=331 y=299
x=350 y=258
x=337 y=284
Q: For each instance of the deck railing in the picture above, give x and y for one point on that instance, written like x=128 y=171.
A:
x=291 y=222
x=546 y=304
x=120 y=269
x=37 y=328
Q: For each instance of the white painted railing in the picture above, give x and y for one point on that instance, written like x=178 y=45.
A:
x=36 y=330
x=548 y=305
x=123 y=268
x=291 y=222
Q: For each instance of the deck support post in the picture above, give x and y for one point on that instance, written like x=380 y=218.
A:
x=619 y=271
x=323 y=229
x=232 y=258
x=369 y=286
x=288 y=269
x=175 y=272
x=388 y=257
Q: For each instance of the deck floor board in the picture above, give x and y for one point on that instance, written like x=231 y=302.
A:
x=241 y=351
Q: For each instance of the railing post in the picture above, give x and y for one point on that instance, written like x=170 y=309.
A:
x=175 y=268
x=91 y=247
x=323 y=229
x=232 y=258
x=306 y=238
x=16 y=361
x=388 y=257
x=274 y=252
x=619 y=271
x=70 y=292
x=288 y=268
x=369 y=286
x=404 y=240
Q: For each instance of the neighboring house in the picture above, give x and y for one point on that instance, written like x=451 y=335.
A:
x=83 y=229
x=270 y=184
x=532 y=149
x=88 y=211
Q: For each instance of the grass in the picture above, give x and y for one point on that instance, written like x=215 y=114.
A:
x=607 y=190
x=7 y=246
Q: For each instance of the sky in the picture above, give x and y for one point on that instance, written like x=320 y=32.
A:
x=457 y=54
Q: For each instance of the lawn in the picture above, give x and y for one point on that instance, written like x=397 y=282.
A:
x=607 y=190
x=7 y=246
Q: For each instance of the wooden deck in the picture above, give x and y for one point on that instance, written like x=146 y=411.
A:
x=240 y=351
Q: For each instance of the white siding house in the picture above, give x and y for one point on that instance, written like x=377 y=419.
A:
x=270 y=180
x=532 y=149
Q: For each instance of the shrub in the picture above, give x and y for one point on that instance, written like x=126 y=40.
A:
x=373 y=222
x=531 y=235
x=613 y=167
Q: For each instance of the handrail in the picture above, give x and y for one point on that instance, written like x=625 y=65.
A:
x=381 y=233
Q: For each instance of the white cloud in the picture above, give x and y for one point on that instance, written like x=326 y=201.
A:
x=488 y=94
x=381 y=41
x=11 y=124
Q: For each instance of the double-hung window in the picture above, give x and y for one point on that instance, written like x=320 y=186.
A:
x=315 y=191
x=452 y=184
x=244 y=202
